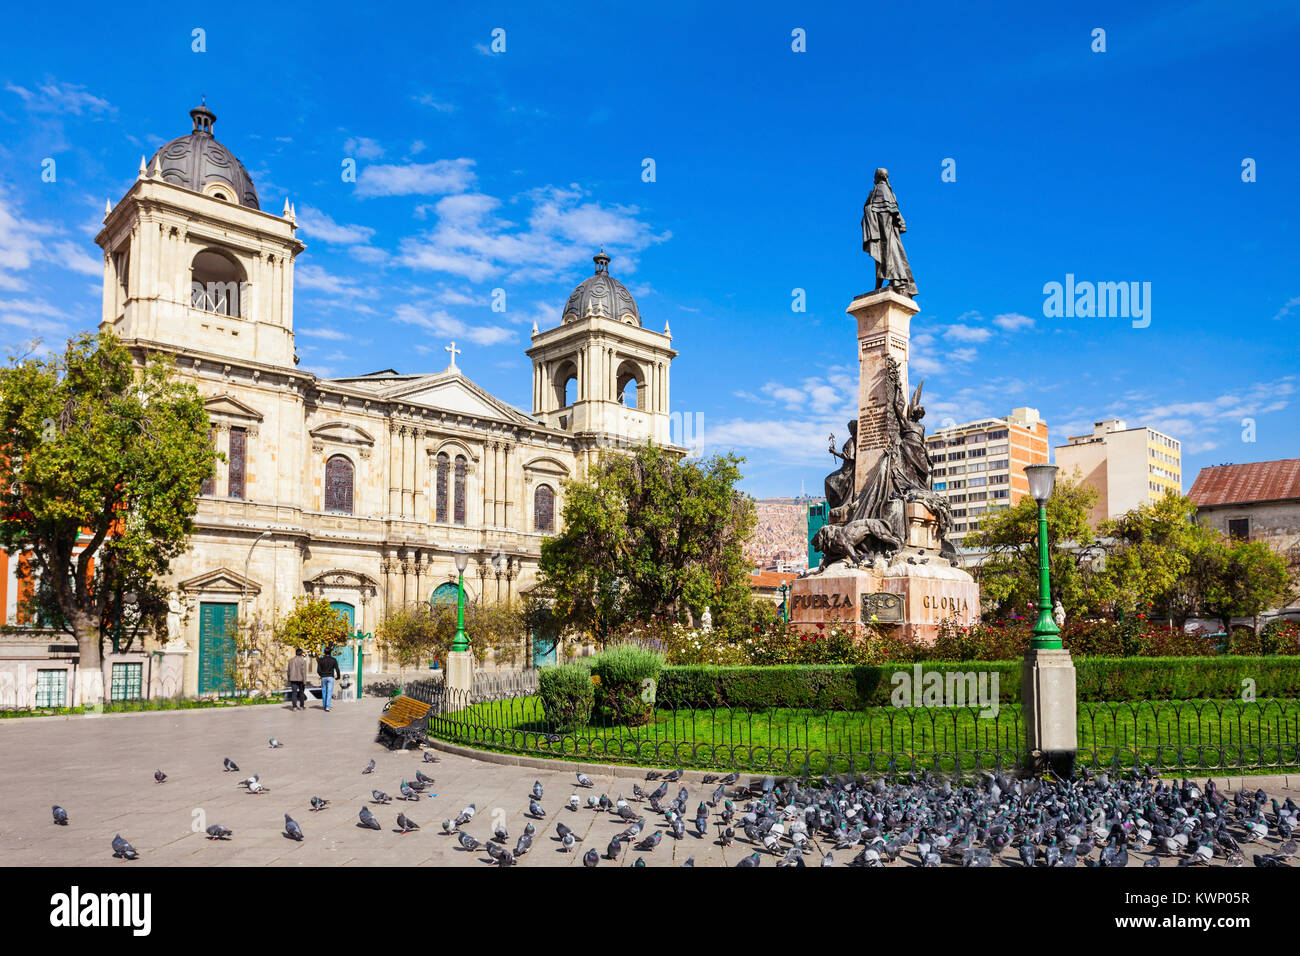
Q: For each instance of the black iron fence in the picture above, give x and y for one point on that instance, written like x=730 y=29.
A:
x=1167 y=735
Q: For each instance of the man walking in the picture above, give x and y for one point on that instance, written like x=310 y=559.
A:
x=328 y=669
x=298 y=681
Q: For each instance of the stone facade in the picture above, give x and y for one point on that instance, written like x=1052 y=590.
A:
x=359 y=490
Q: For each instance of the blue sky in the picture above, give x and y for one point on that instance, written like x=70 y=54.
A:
x=481 y=170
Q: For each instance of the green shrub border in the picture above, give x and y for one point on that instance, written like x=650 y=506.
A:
x=854 y=687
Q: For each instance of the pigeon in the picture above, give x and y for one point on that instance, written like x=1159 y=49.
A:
x=567 y=842
x=408 y=793
x=574 y=802
x=730 y=778
x=159 y=776
x=500 y=834
x=274 y=743
x=318 y=804
x=406 y=825
x=467 y=841
x=429 y=757
x=562 y=831
x=673 y=776
x=229 y=765
x=218 y=832
x=524 y=844
x=640 y=861
x=590 y=858
x=537 y=790
x=500 y=855
x=60 y=816
x=751 y=860
x=650 y=842
x=464 y=816
x=614 y=849
x=368 y=819
x=255 y=786
x=294 y=831
x=380 y=797
x=690 y=861
x=535 y=809
x=125 y=851
x=584 y=780
x=421 y=778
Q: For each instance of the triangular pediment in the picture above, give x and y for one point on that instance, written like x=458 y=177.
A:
x=344 y=433
x=452 y=392
x=223 y=581
x=227 y=406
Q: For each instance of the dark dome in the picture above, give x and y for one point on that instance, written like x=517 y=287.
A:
x=602 y=295
x=198 y=162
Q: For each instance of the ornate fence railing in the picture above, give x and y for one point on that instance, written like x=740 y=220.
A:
x=1167 y=735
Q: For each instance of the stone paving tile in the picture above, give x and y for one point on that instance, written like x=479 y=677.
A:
x=101 y=771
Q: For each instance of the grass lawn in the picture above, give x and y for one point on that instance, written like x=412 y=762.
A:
x=1196 y=735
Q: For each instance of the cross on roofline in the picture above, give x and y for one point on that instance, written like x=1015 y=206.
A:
x=454 y=352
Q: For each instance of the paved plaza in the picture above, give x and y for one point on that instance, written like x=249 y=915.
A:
x=101 y=771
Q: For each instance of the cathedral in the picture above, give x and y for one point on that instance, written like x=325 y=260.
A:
x=360 y=490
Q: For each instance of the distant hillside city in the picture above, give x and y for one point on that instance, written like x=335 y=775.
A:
x=780 y=541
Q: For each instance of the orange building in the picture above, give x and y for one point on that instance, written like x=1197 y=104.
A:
x=979 y=467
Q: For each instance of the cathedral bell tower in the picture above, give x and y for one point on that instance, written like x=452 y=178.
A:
x=191 y=262
x=599 y=374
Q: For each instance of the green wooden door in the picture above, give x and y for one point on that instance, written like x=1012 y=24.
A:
x=344 y=653
x=217 y=647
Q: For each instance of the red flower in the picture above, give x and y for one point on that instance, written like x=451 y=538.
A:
x=803 y=637
x=821 y=626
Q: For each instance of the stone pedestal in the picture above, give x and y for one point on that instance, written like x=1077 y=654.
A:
x=460 y=671
x=1049 y=697
x=884 y=328
x=910 y=600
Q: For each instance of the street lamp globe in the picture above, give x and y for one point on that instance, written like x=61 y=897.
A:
x=1042 y=480
x=462 y=560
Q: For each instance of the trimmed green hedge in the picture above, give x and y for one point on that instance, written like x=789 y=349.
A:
x=852 y=687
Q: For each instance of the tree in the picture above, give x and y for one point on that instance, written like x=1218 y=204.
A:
x=649 y=534
x=101 y=462
x=1148 y=564
x=1235 y=578
x=314 y=625
x=1008 y=577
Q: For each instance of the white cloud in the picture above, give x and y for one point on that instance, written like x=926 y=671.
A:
x=316 y=279
x=441 y=323
x=428 y=99
x=333 y=335
x=1287 y=308
x=1013 y=322
x=967 y=333
x=416 y=179
x=61 y=98
x=320 y=225
x=363 y=148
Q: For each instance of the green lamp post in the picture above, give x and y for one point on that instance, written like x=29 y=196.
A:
x=1047 y=636
x=461 y=643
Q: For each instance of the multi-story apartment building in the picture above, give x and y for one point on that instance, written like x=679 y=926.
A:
x=979 y=467
x=1127 y=466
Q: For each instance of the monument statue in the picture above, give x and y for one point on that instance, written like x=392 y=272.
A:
x=874 y=523
x=882 y=225
x=839 y=483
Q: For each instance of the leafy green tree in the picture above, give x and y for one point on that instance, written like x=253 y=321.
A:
x=1008 y=577
x=649 y=534
x=313 y=625
x=101 y=461
x=1237 y=579
x=1148 y=564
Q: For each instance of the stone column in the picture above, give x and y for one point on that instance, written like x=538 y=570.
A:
x=394 y=466
x=884 y=324
x=1049 y=695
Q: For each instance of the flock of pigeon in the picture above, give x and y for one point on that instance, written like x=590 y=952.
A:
x=1092 y=820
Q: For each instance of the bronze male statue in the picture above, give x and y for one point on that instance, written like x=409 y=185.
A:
x=882 y=224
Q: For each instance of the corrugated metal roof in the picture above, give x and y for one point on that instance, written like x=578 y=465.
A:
x=1239 y=484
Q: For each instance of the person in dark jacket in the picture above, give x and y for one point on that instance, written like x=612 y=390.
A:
x=328 y=669
x=298 y=681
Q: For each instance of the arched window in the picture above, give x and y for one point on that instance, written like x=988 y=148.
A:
x=440 y=490
x=461 y=467
x=544 y=509
x=565 y=380
x=629 y=385
x=338 y=484
x=216 y=284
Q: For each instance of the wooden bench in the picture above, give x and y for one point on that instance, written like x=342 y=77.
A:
x=405 y=719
